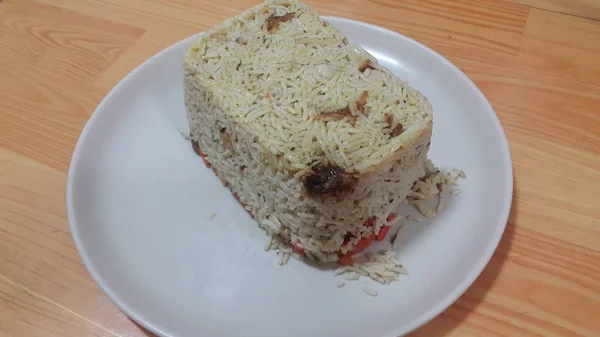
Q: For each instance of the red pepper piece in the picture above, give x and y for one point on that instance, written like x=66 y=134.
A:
x=362 y=244
x=370 y=221
x=346 y=260
x=204 y=159
x=382 y=233
x=296 y=247
x=391 y=217
x=196 y=148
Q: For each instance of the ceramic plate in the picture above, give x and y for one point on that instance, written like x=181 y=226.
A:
x=174 y=250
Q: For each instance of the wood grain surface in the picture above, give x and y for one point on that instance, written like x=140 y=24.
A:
x=584 y=8
x=538 y=62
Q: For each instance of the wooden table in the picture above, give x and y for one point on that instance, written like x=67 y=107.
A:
x=537 y=61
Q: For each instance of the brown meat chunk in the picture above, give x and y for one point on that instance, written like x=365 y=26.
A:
x=362 y=101
x=328 y=180
x=389 y=119
x=273 y=21
x=397 y=130
x=336 y=115
x=367 y=64
x=226 y=139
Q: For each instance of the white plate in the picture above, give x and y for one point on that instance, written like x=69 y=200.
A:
x=140 y=204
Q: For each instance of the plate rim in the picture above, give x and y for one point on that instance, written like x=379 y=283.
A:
x=421 y=320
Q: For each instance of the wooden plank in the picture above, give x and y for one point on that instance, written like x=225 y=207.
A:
x=51 y=57
x=539 y=69
x=24 y=313
x=584 y=8
x=563 y=45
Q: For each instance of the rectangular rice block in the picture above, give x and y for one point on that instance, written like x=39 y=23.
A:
x=315 y=138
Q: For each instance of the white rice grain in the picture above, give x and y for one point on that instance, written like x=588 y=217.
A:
x=370 y=292
x=351 y=276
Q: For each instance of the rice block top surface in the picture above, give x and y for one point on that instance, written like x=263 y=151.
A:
x=301 y=90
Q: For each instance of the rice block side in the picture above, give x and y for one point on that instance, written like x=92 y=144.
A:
x=315 y=138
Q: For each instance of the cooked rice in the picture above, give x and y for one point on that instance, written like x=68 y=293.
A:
x=432 y=186
x=351 y=276
x=254 y=100
x=370 y=292
x=382 y=267
x=282 y=108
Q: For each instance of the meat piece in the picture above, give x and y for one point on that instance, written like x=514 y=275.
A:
x=274 y=21
x=389 y=119
x=226 y=139
x=367 y=64
x=328 y=180
x=362 y=101
x=336 y=115
x=397 y=130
